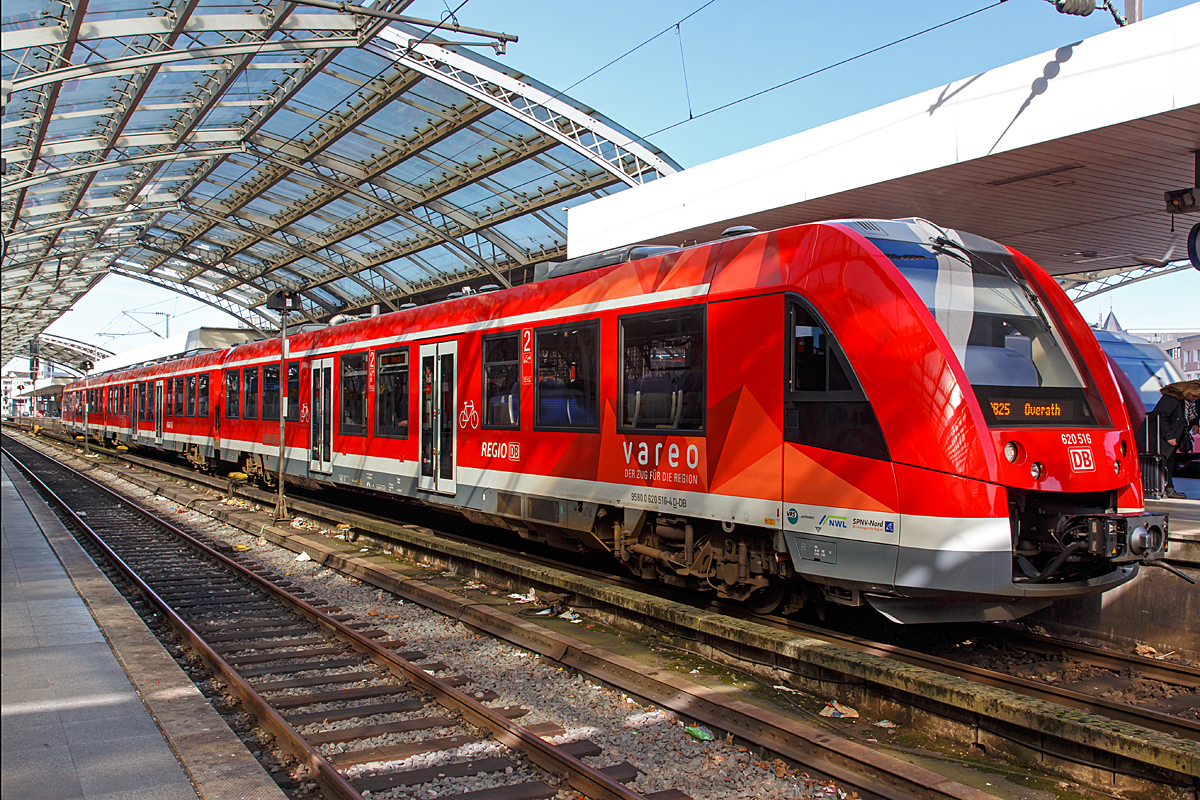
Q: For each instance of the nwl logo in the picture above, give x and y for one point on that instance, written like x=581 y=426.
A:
x=833 y=522
x=1081 y=459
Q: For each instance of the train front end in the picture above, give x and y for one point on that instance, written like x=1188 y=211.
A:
x=1037 y=395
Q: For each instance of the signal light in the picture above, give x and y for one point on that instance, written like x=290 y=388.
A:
x=1180 y=201
x=1036 y=470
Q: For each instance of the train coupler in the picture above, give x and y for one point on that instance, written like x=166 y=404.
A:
x=1127 y=537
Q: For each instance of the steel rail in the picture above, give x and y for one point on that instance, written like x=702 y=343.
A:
x=1155 y=720
x=1184 y=675
x=854 y=765
x=580 y=776
x=329 y=778
x=1100 y=706
x=1179 y=674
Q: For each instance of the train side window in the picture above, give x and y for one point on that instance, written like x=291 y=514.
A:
x=270 y=391
x=568 y=370
x=815 y=366
x=391 y=393
x=191 y=395
x=663 y=370
x=293 y=391
x=250 y=393
x=233 y=393
x=202 y=395
x=142 y=402
x=824 y=405
x=180 y=396
x=354 y=395
x=501 y=381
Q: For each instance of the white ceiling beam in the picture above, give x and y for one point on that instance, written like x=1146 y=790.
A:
x=135 y=64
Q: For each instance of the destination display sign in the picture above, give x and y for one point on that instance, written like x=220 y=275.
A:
x=1036 y=410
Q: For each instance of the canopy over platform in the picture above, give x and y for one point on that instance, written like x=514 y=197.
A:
x=1065 y=156
x=227 y=149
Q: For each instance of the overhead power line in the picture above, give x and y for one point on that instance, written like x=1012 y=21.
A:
x=759 y=93
x=826 y=68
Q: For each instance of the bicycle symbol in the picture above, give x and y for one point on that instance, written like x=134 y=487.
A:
x=469 y=415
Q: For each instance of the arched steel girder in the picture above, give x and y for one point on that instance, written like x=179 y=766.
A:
x=624 y=158
x=376 y=179
x=235 y=310
x=174 y=156
x=68 y=255
x=564 y=193
x=201 y=267
x=433 y=231
x=64 y=352
x=92 y=221
x=1082 y=286
x=135 y=64
x=299 y=251
x=618 y=152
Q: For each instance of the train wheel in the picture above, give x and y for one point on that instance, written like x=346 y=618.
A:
x=768 y=600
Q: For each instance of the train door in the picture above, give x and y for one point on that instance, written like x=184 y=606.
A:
x=134 y=396
x=158 y=412
x=439 y=379
x=321 y=418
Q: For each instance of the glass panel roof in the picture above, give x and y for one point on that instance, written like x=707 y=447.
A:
x=294 y=157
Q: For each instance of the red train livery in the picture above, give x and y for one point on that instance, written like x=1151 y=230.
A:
x=877 y=411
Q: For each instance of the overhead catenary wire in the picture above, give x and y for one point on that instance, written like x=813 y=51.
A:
x=559 y=93
x=645 y=138
x=826 y=68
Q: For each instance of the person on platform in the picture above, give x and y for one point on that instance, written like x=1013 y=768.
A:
x=1174 y=417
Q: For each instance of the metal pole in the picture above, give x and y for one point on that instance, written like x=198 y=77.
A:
x=280 y=502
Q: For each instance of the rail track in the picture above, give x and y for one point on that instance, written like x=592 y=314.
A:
x=295 y=663
x=1182 y=675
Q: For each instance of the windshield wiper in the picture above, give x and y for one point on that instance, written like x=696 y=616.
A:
x=943 y=245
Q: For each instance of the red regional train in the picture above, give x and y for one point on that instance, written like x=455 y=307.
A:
x=855 y=411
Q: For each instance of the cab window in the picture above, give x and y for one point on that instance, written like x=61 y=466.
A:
x=824 y=405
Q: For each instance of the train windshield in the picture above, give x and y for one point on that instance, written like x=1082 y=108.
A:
x=1017 y=359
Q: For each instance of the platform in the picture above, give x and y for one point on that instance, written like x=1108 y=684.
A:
x=93 y=706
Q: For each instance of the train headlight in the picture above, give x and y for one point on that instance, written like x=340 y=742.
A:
x=1011 y=451
x=1124 y=449
x=1037 y=470
x=1117 y=466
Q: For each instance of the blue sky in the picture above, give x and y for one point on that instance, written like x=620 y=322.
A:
x=730 y=49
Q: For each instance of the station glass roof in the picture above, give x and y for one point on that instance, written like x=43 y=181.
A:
x=228 y=148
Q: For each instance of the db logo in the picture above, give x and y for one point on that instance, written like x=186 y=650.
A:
x=1081 y=459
